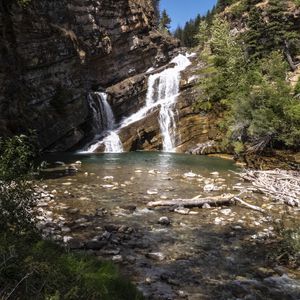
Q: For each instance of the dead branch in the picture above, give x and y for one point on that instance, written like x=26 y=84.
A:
x=279 y=185
x=226 y=199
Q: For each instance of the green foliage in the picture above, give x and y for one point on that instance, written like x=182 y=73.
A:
x=16 y=156
x=165 y=21
x=23 y=2
x=297 y=2
x=189 y=34
x=227 y=59
x=16 y=203
x=262 y=104
x=297 y=88
x=238 y=9
x=287 y=249
x=43 y=270
x=258 y=104
x=203 y=33
x=16 y=195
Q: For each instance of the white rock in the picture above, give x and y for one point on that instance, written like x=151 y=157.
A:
x=107 y=186
x=67 y=239
x=182 y=210
x=189 y=175
x=108 y=178
x=156 y=256
x=164 y=221
x=209 y=188
x=117 y=258
x=152 y=192
x=226 y=211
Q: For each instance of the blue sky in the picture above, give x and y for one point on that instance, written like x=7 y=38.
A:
x=181 y=11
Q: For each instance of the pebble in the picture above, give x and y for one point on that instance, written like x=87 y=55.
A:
x=66 y=229
x=152 y=192
x=206 y=205
x=182 y=210
x=209 y=188
x=164 y=221
x=226 y=211
x=158 y=256
x=117 y=258
x=189 y=175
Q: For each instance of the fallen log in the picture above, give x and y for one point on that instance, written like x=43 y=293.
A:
x=226 y=199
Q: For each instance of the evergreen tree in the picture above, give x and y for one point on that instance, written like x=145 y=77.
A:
x=165 y=21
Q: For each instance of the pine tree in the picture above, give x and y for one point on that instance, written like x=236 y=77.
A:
x=165 y=21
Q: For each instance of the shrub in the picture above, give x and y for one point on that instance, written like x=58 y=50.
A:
x=17 y=155
x=35 y=269
x=287 y=249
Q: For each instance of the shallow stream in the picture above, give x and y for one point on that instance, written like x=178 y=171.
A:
x=100 y=205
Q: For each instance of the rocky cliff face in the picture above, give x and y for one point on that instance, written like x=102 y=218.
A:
x=53 y=53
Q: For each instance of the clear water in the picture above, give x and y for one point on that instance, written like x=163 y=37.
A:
x=204 y=252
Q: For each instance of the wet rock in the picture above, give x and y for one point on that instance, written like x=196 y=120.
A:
x=158 y=256
x=164 y=221
x=152 y=192
x=226 y=211
x=75 y=244
x=66 y=229
x=67 y=239
x=117 y=258
x=73 y=210
x=206 y=205
x=106 y=235
x=95 y=245
x=112 y=227
x=190 y=175
x=209 y=188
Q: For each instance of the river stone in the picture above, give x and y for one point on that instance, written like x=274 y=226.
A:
x=209 y=188
x=156 y=256
x=95 y=245
x=226 y=211
x=152 y=192
x=164 y=221
x=206 y=205
x=117 y=258
x=182 y=210
x=189 y=175
x=73 y=210
x=66 y=229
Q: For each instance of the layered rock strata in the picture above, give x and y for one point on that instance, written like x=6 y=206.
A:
x=53 y=53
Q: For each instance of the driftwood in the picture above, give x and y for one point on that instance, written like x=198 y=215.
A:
x=225 y=199
x=279 y=185
x=250 y=206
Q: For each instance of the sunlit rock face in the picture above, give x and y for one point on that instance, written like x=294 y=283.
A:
x=53 y=53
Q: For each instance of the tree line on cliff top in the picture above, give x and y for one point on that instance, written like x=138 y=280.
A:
x=245 y=79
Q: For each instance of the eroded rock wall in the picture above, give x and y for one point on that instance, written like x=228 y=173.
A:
x=53 y=53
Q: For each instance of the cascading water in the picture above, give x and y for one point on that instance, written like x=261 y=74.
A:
x=105 y=119
x=163 y=90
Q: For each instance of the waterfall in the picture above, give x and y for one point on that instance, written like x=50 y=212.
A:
x=163 y=90
x=104 y=118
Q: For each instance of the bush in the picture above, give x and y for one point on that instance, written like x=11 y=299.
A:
x=16 y=193
x=287 y=249
x=17 y=155
x=35 y=269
